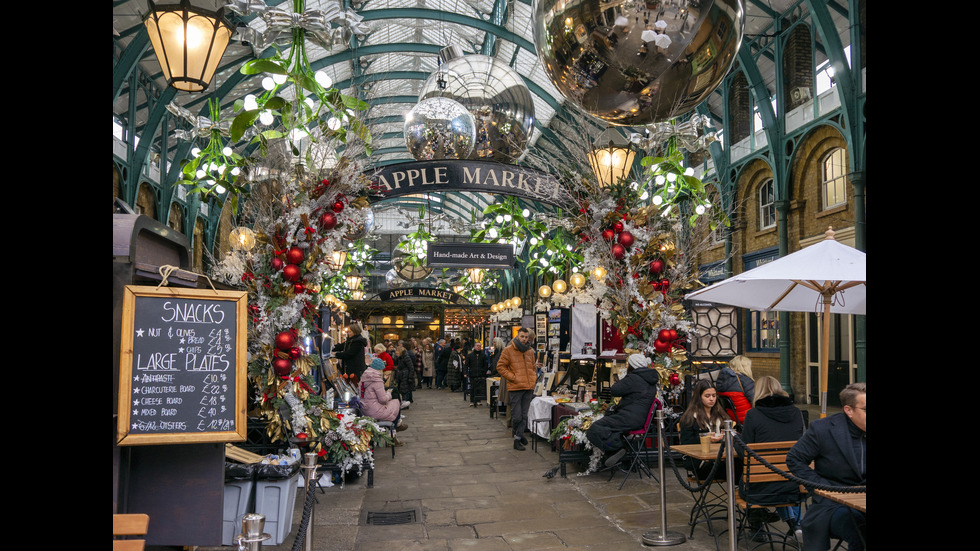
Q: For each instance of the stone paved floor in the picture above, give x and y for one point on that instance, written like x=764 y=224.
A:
x=474 y=492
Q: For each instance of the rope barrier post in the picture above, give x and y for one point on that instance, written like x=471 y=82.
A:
x=252 y=534
x=663 y=537
x=309 y=473
x=730 y=472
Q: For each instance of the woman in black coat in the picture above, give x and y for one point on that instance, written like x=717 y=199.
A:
x=352 y=353
x=404 y=374
x=773 y=418
x=637 y=392
x=477 y=366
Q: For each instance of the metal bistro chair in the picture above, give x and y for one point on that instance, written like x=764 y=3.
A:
x=637 y=452
x=749 y=498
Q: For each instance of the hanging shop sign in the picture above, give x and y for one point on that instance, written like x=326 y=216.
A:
x=422 y=292
x=465 y=175
x=182 y=367
x=469 y=255
x=418 y=316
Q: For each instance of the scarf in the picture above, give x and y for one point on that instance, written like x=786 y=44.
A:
x=521 y=347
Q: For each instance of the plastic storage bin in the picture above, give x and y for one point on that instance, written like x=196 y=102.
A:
x=276 y=500
x=237 y=494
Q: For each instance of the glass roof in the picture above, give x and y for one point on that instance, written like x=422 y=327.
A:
x=389 y=64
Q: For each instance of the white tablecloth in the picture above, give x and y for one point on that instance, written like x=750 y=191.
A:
x=540 y=409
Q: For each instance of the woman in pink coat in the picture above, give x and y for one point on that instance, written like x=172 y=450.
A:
x=376 y=402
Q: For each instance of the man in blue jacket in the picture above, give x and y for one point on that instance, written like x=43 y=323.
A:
x=837 y=447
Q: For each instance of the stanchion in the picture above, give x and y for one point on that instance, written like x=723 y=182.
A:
x=309 y=468
x=730 y=472
x=663 y=537
x=252 y=536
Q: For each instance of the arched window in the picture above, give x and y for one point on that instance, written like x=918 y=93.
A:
x=767 y=205
x=834 y=179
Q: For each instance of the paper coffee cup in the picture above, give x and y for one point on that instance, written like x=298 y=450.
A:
x=705 y=442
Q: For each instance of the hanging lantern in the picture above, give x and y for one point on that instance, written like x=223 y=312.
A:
x=577 y=281
x=188 y=43
x=476 y=275
x=337 y=260
x=353 y=280
x=611 y=163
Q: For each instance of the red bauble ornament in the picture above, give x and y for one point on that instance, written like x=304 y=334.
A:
x=657 y=266
x=285 y=340
x=664 y=335
x=608 y=234
x=295 y=255
x=618 y=226
x=660 y=346
x=626 y=239
x=291 y=273
x=295 y=352
x=338 y=206
x=664 y=284
x=282 y=366
x=673 y=334
x=618 y=251
x=655 y=284
x=299 y=288
x=328 y=221
x=277 y=264
x=675 y=379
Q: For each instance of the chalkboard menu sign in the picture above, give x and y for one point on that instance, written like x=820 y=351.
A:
x=182 y=368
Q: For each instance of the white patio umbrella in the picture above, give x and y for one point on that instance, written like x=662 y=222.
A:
x=621 y=21
x=648 y=35
x=827 y=277
x=662 y=41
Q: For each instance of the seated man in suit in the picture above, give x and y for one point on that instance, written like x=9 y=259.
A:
x=837 y=447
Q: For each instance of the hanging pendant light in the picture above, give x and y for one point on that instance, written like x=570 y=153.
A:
x=188 y=43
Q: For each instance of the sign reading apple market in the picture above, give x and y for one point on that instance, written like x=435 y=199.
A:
x=422 y=293
x=465 y=175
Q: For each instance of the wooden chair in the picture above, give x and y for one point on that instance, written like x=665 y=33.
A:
x=129 y=525
x=749 y=498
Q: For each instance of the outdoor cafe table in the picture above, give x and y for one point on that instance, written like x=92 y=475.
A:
x=708 y=499
x=858 y=501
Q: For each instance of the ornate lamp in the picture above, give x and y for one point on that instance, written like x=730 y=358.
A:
x=611 y=163
x=476 y=275
x=337 y=260
x=353 y=280
x=188 y=43
x=357 y=294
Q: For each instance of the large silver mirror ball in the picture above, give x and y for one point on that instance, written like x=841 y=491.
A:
x=439 y=128
x=634 y=63
x=497 y=98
